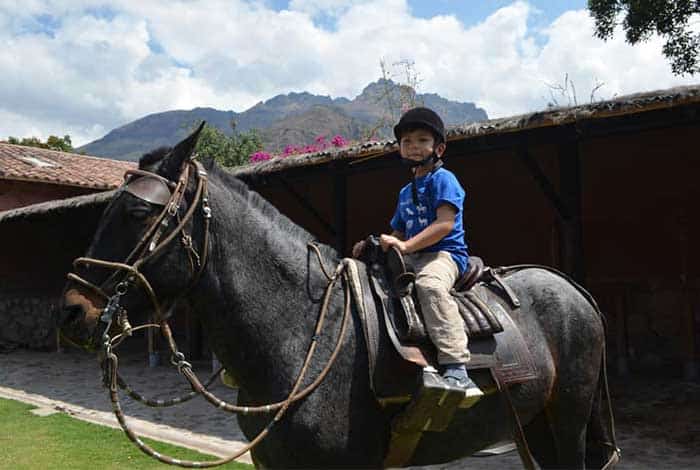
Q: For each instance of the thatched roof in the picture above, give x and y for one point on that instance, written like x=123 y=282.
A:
x=629 y=104
x=56 y=207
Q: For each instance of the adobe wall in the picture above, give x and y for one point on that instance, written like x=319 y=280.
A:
x=14 y=194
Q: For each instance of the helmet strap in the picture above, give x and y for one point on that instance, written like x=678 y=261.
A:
x=414 y=189
x=432 y=158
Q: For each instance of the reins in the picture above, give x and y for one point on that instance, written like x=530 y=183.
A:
x=147 y=247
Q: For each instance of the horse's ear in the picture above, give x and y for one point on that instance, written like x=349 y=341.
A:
x=171 y=166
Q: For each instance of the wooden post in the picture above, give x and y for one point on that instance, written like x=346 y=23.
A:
x=215 y=364
x=340 y=209
x=153 y=359
x=59 y=348
x=621 y=334
x=690 y=367
x=194 y=335
x=572 y=256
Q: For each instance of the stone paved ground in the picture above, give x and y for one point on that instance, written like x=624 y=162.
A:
x=70 y=382
x=658 y=422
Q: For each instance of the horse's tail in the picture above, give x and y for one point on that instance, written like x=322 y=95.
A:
x=601 y=448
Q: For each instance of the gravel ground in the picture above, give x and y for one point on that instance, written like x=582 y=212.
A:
x=658 y=421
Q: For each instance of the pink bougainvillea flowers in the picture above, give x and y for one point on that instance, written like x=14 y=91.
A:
x=339 y=141
x=260 y=156
x=320 y=144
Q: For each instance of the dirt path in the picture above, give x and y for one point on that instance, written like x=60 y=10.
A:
x=658 y=422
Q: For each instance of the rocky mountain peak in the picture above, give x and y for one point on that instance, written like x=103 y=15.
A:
x=283 y=118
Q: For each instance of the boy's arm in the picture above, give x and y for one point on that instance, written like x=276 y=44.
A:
x=399 y=235
x=359 y=247
x=429 y=236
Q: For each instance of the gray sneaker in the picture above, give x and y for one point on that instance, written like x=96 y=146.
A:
x=471 y=390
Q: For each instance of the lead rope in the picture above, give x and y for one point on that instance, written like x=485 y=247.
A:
x=111 y=366
x=151 y=402
x=186 y=369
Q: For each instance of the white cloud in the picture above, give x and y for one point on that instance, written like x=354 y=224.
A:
x=332 y=8
x=83 y=69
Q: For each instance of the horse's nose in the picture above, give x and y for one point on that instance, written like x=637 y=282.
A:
x=70 y=313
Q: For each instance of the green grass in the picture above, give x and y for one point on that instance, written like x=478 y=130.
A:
x=58 y=441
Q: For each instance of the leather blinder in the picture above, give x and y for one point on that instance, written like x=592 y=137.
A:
x=150 y=190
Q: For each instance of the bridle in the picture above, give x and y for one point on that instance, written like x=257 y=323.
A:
x=155 y=189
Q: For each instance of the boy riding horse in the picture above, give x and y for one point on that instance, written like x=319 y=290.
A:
x=428 y=230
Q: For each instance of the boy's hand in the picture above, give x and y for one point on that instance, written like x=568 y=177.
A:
x=388 y=241
x=358 y=248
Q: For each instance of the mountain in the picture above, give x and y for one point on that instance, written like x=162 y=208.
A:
x=291 y=119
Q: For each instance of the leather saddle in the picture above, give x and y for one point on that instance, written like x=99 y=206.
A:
x=403 y=369
x=485 y=302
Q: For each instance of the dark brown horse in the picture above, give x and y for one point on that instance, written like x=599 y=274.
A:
x=258 y=299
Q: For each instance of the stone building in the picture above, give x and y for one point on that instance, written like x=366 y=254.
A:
x=41 y=233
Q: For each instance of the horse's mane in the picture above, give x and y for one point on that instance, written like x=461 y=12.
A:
x=255 y=201
x=259 y=203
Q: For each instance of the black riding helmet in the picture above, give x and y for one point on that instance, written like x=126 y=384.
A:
x=418 y=118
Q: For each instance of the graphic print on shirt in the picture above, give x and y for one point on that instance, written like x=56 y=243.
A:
x=417 y=208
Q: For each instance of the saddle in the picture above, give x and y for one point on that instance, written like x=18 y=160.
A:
x=403 y=370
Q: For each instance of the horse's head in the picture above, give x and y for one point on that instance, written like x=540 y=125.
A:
x=147 y=250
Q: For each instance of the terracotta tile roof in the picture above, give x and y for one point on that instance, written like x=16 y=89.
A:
x=23 y=163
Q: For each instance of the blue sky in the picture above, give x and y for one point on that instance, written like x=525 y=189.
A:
x=473 y=12
x=82 y=68
x=470 y=12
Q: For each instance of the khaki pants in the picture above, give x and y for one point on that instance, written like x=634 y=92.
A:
x=436 y=273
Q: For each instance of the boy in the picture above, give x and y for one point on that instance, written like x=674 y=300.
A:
x=427 y=229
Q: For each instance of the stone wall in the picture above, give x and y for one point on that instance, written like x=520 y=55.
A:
x=37 y=254
x=27 y=320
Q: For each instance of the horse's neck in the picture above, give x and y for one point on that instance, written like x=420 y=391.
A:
x=256 y=301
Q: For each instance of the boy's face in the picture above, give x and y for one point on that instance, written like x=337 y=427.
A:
x=418 y=144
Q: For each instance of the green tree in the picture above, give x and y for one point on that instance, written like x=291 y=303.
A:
x=642 y=18
x=62 y=144
x=227 y=150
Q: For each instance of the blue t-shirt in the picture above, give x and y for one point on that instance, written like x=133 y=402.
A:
x=434 y=189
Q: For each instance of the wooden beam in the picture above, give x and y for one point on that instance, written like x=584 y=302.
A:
x=572 y=256
x=544 y=183
x=303 y=202
x=340 y=209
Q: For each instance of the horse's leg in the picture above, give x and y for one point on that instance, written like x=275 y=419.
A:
x=600 y=446
x=541 y=441
x=568 y=414
x=598 y=443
